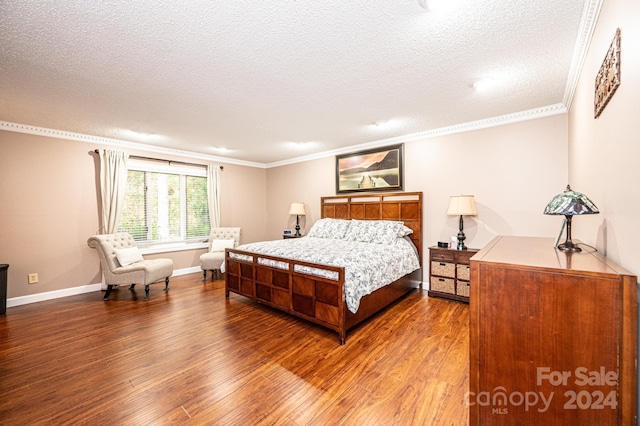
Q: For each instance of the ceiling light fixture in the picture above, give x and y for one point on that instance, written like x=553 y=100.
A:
x=384 y=125
x=430 y=4
x=141 y=137
x=302 y=145
x=484 y=84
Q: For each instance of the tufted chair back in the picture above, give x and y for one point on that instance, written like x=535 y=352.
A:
x=225 y=234
x=214 y=261
x=106 y=245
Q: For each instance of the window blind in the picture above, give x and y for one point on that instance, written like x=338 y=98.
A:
x=165 y=206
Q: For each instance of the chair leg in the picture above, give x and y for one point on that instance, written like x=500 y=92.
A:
x=109 y=289
x=204 y=275
x=132 y=286
x=146 y=292
x=166 y=284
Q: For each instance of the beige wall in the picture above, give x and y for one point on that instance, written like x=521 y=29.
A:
x=48 y=211
x=244 y=201
x=304 y=182
x=49 y=208
x=513 y=171
x=604 y=152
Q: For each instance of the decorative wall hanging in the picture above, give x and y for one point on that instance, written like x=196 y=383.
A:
x=608 y=78
x=378 y=169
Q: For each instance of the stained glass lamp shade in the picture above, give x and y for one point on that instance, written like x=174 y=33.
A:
x=570 y=203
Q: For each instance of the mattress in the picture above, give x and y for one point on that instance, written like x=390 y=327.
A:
x=368 y=266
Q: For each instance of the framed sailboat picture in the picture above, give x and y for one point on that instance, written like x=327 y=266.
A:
x=378 y=169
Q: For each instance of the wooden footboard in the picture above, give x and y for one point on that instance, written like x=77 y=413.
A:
x=311 y=297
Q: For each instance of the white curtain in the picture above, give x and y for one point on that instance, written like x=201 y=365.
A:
x=213 y=194
x=113 y=184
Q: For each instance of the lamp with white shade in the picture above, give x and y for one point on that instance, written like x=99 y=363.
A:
x=462 y=205
x=298 y=210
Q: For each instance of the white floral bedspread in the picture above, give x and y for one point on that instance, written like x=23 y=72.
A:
x=368 y=266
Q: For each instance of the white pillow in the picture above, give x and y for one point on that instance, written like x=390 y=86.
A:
x=127 y=256
x=220 y=245
x=374 y=231
x=404 y=231
x=329 y=228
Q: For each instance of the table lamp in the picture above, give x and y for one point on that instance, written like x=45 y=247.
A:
x=462 y=205
x=298 y=210
x=570 y=203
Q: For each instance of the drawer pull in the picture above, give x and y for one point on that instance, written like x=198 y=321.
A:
x=443 y=264
x=441 y=280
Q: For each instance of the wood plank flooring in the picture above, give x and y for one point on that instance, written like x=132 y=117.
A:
x=190 y=356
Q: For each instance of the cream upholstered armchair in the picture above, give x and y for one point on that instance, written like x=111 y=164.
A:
x=219 y=240
x=122 y=263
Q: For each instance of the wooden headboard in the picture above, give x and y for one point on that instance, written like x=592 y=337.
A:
x=404 y=206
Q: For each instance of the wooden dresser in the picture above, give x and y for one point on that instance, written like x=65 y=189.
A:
x=553 y=336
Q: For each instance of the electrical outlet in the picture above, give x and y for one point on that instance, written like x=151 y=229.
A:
x=33 y=278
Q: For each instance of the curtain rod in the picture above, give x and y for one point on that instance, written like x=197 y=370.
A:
x=159 y=159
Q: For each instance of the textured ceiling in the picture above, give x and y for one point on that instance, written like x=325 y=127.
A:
x=271 y=81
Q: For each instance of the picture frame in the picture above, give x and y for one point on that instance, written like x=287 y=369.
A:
x=608 y=77
x=377 y=169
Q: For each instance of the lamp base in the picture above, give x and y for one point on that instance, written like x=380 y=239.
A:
x=298 y=234
x=461 y=236
x=569 y=246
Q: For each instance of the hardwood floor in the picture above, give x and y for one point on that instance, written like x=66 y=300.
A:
x=192 y=357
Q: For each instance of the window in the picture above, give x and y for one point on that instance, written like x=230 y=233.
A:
x=165 y=203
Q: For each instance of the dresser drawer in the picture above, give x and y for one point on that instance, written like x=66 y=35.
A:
x=442 y=256
x=443 y=269
x=464 y=256
x=462 y=288
x=463 y=272
x=443 y=285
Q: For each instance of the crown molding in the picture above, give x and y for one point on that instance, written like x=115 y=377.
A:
x=79 y=137
x=458 y=128
x=585 y=34
x=501 y=120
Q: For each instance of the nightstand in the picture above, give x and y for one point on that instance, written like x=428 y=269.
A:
x=285 y=237
x=449 y=273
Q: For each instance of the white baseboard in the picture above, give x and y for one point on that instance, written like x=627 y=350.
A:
x=186 y=271
x=89 y=288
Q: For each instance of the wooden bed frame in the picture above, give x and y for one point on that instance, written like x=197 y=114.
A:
x=320 y=300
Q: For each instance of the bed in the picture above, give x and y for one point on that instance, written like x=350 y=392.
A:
x=321 y=292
